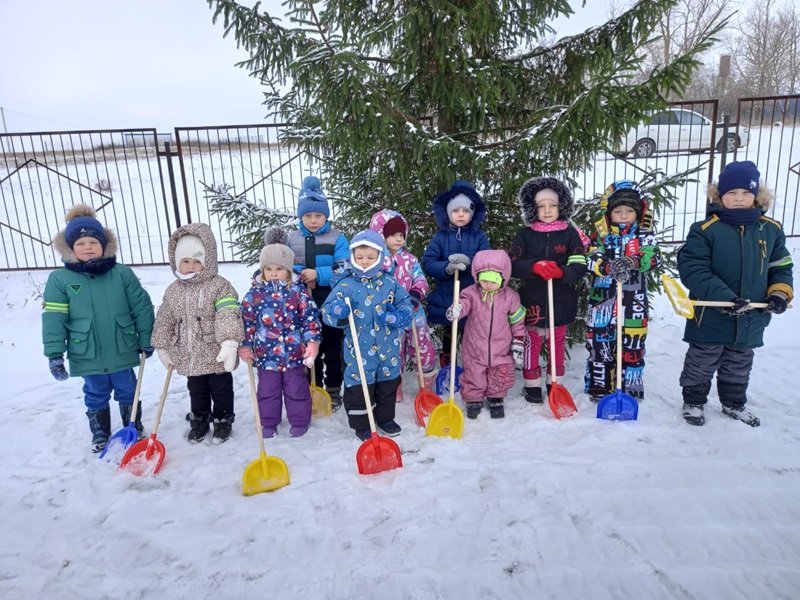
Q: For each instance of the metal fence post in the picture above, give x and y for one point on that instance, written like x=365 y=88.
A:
x=172 y=187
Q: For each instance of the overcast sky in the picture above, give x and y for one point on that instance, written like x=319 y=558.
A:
x=97 y=64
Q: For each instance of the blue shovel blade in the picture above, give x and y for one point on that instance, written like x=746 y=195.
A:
x=618 y=406
x=119 y=443
x=443 y=381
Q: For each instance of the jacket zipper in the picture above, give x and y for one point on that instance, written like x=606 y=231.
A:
x=491 y=326
x=186 y=303
x=741 y=278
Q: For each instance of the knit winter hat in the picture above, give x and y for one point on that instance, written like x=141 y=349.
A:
x=395 y=225
x=531 y=188
x=739 y=175
x=311 y=199
x=190 y=246
x=276 y=252
x=491 y=276
x=370 y=239
x=623 y=193
x=82 y=222
x=460 y=201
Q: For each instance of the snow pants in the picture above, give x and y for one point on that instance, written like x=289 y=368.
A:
x=289 y=387
x=427 y=352
x=216 y=388
x=701 y=362
x=328 y=368
x=482 y=381
x=536 y=337
x=383 y=395
x=97 y=389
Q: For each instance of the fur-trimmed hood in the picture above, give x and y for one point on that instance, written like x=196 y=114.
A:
x=206 y=236
x=459 y=187
x=60 y=240
x=763 y=200
x=527 y=198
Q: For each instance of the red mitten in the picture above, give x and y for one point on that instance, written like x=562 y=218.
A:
x=547 y=269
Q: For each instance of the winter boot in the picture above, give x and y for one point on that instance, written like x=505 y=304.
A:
x=733 y=397
x=199 y=426
x=496 y=408
x=125 y=412
x=694 y=399
x=533 y=394
x=336 y=397
x=100 y=426
x=474 y=409
x=222 y=428
x=390 y=428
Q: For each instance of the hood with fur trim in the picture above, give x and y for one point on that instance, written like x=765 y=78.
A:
x=527 y=196
x=60 y=240
x=206 y=236
x=763 y=200
x=492 y=260
x=459 y=187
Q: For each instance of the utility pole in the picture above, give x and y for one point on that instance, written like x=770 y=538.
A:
x=3 y=115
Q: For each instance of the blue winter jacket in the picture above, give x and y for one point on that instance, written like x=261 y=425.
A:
x=379 y=343
x=449 y=240
x=321 y=250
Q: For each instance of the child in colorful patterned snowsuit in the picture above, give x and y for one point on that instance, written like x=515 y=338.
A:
x=735 y=254
x=198 y=329
x=318 y=248
x=548 y=248
x=381 y=310
x=459 y=213
x=623 y=249
x=281 y=336
x=97 y=312
x=405 y=269
x=497 y=320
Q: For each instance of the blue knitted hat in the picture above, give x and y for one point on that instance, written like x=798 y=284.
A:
x=82 y=223
x=311 y=199
x=739 y=175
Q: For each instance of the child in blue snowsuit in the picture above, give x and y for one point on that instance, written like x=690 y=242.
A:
x=382 y=309
x=459 y=212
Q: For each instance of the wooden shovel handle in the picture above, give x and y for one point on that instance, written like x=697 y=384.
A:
x=364 y=386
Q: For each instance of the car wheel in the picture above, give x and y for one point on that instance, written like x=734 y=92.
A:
x=729 y=143
x=644 y=148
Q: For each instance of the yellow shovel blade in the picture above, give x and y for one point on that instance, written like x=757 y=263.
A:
x=265 y=474
x=446 y=420
x=677 y=297
x=320 y=402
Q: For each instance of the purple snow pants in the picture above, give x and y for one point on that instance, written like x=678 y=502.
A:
x=292 y=386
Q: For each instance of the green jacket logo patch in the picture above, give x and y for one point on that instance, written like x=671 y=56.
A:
x=76 y=287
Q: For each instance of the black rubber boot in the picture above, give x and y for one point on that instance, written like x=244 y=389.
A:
x=496 y=408
x=733 y=397
x=125 y=412
x=100 y=426
x=694 y=399
x=533 y=394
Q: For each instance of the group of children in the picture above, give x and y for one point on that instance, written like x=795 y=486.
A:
x=311 y=282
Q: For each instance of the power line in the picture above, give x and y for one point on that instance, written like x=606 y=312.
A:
x=38 y=118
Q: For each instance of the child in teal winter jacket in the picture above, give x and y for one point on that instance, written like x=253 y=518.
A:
x=97 y=312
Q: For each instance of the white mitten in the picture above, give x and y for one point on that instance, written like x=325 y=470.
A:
x=454 y=312
x=228 y=354
x=163 y=356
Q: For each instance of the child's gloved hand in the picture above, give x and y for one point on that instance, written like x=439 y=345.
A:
x=312 y=350
x=246 y=354
x=739 y=308
x=57 y=369
x=518 y=352
x=454 y=312
x=547 y=269
x=777 y=303
x=338 y=308
x=416 y=299
x=164 y=357
x=389 y=317
x=227 y=354
x=456 y=261
x=621 y=268
x=148 y=351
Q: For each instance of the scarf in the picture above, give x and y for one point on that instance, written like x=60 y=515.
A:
x=93 y=266
x=740 y=216
x=547 y=227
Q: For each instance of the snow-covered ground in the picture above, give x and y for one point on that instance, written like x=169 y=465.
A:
x=525 y=507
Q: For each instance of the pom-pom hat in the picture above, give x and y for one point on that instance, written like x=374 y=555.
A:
x=311 y=199
x=275 y=251
x=82 y=222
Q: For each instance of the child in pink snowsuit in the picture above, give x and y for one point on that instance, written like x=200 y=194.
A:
x=406 y=270
x=496 y=322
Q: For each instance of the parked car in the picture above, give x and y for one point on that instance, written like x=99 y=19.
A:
x=678 y=130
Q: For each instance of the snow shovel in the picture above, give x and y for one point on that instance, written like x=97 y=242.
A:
x=559 y=399
x=684 y=307
x=618 y=406
x=447 y=419
x=266 y=473
x=320 y=399
x=377 y=454
x=127 y=436
x=145 y=456
x=426 y=401
x=443 y=380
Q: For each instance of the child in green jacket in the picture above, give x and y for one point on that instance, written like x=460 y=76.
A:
x=96 y=310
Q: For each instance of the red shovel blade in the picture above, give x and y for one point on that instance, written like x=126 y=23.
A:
x=378 y=454
x=560 y=401
x=424 y=404
x=144 y=457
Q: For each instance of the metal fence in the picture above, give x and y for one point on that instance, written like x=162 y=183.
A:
x=143 y=188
